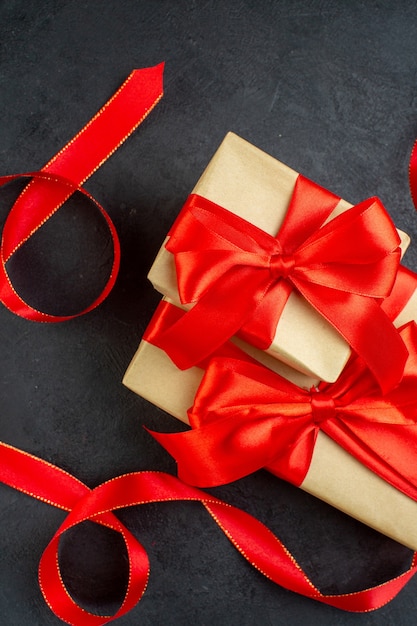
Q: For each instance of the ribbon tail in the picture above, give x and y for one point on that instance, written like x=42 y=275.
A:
x=204 y=328
x=274 y=560
x=404 y=286
x=199 y=458
x=375 y=339
x=261 y=328
x=230 y=448
x=37 y=478
x=389 y=450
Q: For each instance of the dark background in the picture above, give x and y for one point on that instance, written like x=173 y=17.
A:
x=329 y=87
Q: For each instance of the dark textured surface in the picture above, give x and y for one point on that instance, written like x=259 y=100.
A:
x=328 y=87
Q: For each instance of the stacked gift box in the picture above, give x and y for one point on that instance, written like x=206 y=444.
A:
x=285 y=340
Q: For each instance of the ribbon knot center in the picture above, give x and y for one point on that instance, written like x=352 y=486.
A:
x=281 y=265
x=322 y=406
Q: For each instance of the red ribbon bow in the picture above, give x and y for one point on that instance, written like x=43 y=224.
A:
x=240 y=277
x=246 y=417
x=67 y=171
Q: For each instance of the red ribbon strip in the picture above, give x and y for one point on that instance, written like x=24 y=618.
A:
x=240 y=277
x=246 y=417
x=412 y=174
x=67 y=171
x=250 y=537
x=404 y=287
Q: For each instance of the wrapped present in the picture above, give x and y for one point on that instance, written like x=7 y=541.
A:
x=334 y=456
x=260 y=251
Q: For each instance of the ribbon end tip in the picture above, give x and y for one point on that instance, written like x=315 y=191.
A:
x=153 y=77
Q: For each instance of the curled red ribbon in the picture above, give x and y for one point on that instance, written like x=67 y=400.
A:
x=255 y=542
x=67 y=171
x=240 y=277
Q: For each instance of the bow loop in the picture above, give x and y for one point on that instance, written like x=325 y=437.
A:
x=357 y=252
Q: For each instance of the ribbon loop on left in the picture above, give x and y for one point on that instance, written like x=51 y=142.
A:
x=67 y=171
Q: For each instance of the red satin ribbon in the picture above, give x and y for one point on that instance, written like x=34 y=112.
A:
x=67 y=171
x=254 y=541
x=404 y=287
x=246 y=417
x=412 y=174
x=240 y=277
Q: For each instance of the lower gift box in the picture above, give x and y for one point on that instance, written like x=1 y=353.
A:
x=333 y=474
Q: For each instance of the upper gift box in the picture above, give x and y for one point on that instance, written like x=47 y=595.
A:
x=262 y=252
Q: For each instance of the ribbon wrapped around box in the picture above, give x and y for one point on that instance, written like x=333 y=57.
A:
x=345 y=443
x=260 y=251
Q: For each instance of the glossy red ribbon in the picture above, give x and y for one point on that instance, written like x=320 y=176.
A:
x=257 y=544
x=412 y=174
x=404 y=287
x=66 y=172
x=246 y=417
x=240 y=277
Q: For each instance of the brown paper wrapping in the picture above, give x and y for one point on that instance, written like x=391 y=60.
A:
x=240 y=177
x=334 y=475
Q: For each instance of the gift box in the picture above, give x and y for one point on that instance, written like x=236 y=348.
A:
x=334 y=475
x=258 y=189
